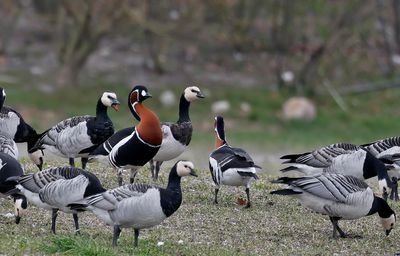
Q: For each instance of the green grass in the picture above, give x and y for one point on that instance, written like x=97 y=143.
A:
x=274 y=225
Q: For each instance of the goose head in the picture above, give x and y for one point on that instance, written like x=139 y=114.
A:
x=387 y=215
x=219 y=131
x=109 y=99
x=37 y=157
x=192 y=93
x=185 y=168
x=20 y=205
x=138 y=94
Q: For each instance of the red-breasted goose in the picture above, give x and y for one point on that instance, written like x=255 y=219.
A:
x=55 y=188
x=139 y=206
x=339 y=197
x=176 y=136
x=78 y=136
x=10 y=167
x=230 y=166
x=13 y=126
x=141 y=145
x=344 y=158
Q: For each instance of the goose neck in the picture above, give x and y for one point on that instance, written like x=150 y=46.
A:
x=183 y=110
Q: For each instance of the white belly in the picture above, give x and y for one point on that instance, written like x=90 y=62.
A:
x=231 y=177
x=169 y=150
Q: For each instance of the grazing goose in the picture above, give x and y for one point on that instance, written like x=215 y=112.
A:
x=10 y=167
x=139 y=206
x=176 y=136
x=347 y=159
x=14 y=127
x=339 y=197
x=141 y=145
x=78 y=136
x=230 y=166
x=55 y=188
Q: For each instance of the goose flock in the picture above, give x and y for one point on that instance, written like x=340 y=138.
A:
x=333 y=183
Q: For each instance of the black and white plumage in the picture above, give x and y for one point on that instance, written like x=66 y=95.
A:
x=344 y=158
x=55 y=188
x=78 y=136
x=14 y=127
x=339 y=197
x=10 y=167
x=142 y=143
x=176 y=136
x=139 y=206
x=230 y=166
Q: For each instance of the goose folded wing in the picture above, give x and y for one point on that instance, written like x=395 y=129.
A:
x=331 y=187
x=63 y=192
x=182 y=132
x=109 y=199
x=382 y=145
x=34 y=182
x=228 y=157
x=105 y=148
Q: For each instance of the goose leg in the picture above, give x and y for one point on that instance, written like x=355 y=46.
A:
x=158 y=165
x=116 y=233
x=248 y=198
x=120 y=178
x=53 y=220
x=216 y=195
x=84 y=161
x=151 y=162
x=71 y=162
x=76 y=222
x=136 y=238
x=336 y=227
x=394 y=193
x=132 y=175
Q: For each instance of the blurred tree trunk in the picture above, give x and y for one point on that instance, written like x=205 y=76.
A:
x=79 y=35
x=396 y=9
x=386 y=44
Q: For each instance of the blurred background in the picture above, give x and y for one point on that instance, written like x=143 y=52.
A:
x=288 y=76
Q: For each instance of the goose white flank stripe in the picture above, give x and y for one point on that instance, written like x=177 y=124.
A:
x=230 y=166
x=135 y=146
x=14 y=127
x=10 y=167
x=78 y=136
x=139 y=206
x=176 y=136
x=339 y=197
x=343 y=158
x=55 y=188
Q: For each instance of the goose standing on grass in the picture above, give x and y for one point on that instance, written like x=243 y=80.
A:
x=141 y=145
x=176 y=136
x=339 y=197
x=78 y=136
x=343 y=158
x=54 y=188
x=10 y=167
x=14 y=127
x=139 y=206
x=230 y=166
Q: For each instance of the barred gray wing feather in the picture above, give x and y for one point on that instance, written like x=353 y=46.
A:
x=8 y=146
x=382 y=145
x=333 y=187
x=62 y=192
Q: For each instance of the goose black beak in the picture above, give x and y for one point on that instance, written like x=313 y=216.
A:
x=388 y=232
x=193 y=173
x=115 y=104
x=200 y=95
x=17 y=219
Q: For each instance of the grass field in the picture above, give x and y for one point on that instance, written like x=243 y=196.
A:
x=274 y=225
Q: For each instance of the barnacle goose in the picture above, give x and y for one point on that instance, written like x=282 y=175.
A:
x=339 y=197
x=13 y=126
x=10 y=167
x=138 y=206
x=176 y=136
x=78 y=136
x=141 y=143
x=8 y=146
x=344 y=158
x=55 y=188
x=230 y=166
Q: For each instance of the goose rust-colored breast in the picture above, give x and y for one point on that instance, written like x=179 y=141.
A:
x=149 y=127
